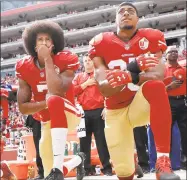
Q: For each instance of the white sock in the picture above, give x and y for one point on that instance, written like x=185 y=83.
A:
x=59 y=136
x=73 y=163
x=162 y=154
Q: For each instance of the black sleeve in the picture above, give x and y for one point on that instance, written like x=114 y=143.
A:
x=135 y=77
x=133 y=67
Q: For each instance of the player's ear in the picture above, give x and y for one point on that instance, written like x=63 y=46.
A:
x=137 y=19
x=36 y=50
x=51 y=48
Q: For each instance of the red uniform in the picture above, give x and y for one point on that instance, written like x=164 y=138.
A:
x=117 y=54
x=90 y=98
x=169 y=78
x=4 y=102
x=36 y=78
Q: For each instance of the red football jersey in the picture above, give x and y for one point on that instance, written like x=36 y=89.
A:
x=169 y=70
x=117 y=54
x=36 y=78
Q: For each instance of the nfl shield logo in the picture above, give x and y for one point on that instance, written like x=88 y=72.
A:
x=143 y=43
x=127 y=46
x=42 y=74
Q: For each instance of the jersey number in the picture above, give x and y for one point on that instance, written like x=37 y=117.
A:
x=122 y=65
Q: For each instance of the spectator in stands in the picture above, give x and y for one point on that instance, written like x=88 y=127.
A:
x=92 y=102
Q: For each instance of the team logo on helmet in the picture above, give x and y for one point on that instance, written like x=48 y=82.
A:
x=143 y=43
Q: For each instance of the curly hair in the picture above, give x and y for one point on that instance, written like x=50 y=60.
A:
x=53 y=29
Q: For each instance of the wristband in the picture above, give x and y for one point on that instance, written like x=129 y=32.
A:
x=135 y=77
x=133 y=67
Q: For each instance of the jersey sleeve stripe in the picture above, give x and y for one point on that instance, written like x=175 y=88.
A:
x=70 y=65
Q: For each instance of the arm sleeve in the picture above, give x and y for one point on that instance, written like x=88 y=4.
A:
x=158 y=41
x=94 y=46
x=19 y=69
x=68 y=61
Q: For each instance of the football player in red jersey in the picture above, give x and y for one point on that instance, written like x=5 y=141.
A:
x=47 y=74
x=126 y=56
x=4 y=105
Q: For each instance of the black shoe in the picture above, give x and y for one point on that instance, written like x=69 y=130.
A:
x=152 y=170
x=145 y=169
x=80 y=168
x=88 y=173
x=55 y=174
x=107 y=173
x=183 y=165
x=39 y=177
x=138 y=171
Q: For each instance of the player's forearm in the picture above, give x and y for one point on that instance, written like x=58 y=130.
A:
x=31 y=107
x=103 y=85
x=168 y=87
x=78 y=89
x=84 y=85
x=54 y=82
x=104 y=89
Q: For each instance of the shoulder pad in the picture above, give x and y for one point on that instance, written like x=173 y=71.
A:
x=21 y=62
x=66 y=55
x=153 y=33
x=96 y=39
x=66 y=59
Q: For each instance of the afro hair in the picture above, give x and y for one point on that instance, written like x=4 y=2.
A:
x=53 y=29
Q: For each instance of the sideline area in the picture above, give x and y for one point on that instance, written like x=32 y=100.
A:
x=151 y=176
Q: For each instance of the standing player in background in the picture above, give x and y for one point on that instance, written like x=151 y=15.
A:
x=47 y=74
x=127 y=105
x=92 y=102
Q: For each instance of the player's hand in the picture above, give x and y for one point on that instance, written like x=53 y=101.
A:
x=44 y=52
x=146 y=76
x=175 y=84
x=90 y=82
x=118 y=78
x=147 y=61
x=180 y=74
